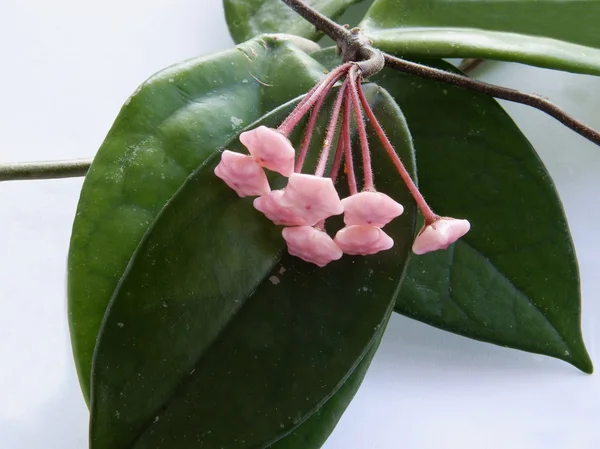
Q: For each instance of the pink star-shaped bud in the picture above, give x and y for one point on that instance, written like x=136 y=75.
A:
x=370 y=208
x=242 y=174
x=270 y=149
x=440 y=234
x=270 y=205
x=312 y=198
x=362 y=240
x=311 y=245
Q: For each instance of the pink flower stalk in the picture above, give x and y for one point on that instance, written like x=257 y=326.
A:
x=270 y=149
x=370 y=208
x=312 y=198
x=440 y=234
x=311 y=245
x=270 y=205
x=362 y=240
x=242 y=174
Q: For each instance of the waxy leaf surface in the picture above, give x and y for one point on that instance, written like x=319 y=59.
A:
x=513 y=279
x=249 y=18
x=215 y=336
x=169 y=126
x=557 y=34
x=313 y=432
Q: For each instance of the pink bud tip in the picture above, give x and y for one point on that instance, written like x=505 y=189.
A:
x=370 y=208
x=311 y=198
x=270 y=205
x=270 y=149
x=440 y=234
x=311 y=245
x=242 y=174
x=363 y=240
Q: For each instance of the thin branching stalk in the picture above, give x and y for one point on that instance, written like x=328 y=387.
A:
x=347 y=38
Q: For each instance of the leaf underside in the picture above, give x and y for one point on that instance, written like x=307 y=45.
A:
x=555 y=34
x=249 y=18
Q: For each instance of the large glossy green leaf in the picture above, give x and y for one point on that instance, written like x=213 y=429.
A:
x=217 y=337
x=249 y=18
x=165 y=130
x=316 y=429
x=513 y=279
x=557 y=34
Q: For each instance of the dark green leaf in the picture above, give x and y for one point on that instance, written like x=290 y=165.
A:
x=557 y=34
x=217 y=336
x=249 y=18
x=165 y=130
x=513 y=279
x=315 y=430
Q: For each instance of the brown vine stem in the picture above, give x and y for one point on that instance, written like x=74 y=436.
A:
x=44 y=170
x=345 y=39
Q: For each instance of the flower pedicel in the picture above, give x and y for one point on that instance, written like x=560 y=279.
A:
x=309 y=199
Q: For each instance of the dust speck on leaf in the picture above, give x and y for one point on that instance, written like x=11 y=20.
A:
x=274 y=280
x=235 y=122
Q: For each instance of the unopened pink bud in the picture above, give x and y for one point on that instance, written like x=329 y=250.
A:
x=363 y=240
x=311 y=245
x=440 y=234
x=242 y=174
x=311 y=198
x=270 y=205
x=370 y=208
x=270 y=149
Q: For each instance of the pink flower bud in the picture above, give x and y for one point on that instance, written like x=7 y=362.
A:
x=311 y=198
x=270 y=205
x=311 y=245
x=362 y=240
x=370 y=208
x=270 y=149
x=440 y=234
x=242 y=174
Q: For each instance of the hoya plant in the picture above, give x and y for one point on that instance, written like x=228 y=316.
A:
x=254 y=217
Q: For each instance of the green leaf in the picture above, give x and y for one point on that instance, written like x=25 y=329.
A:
x=557 y=34
x=217 y=336
x=249 y=18
x=170 y=125
x=513 y=279
x=315 y=430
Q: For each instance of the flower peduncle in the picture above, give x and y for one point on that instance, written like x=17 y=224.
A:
x=347 y=142
x=307 y=103
x=330 y=134
x=354 y=78
x=429 y=215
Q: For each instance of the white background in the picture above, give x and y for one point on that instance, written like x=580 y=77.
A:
x=66 y=68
